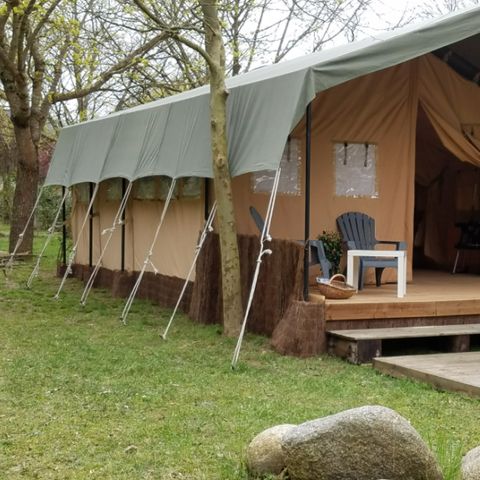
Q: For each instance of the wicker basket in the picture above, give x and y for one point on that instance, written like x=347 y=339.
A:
x=336 y=288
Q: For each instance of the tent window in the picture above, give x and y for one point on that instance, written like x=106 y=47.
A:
x=114 y=189
x=82 y=192
x=289 y=184
x=355 y=169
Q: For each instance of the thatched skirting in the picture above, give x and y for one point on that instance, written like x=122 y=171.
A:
x=279 y=283
x=301 y=331
x=160 y=289
x=298 y=326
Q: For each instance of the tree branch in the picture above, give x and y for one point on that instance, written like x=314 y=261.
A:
x=108 y=74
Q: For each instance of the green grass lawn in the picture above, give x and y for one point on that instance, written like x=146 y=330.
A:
x=82 y=396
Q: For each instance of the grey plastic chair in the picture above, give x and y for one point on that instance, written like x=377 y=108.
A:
x=358 y=233
x=317 y=250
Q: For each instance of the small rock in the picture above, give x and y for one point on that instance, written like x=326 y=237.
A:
x=471 y=465
x=363 y=443
x=264 y=454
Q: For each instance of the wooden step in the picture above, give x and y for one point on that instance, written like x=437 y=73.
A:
x=457 y=372
x=362 y=345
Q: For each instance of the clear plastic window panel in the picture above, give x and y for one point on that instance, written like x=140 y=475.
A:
x=114 y=189
x=289 y=184
x=82 y=192
x=145 y=189
x=355 y=170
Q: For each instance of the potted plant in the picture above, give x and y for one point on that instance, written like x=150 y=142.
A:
x=332 y=243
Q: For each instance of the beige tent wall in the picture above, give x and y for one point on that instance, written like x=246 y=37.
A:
x=79 y=210
x=379 y=108
x=174 y=250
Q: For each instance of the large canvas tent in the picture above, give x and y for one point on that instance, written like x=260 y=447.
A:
x=366 y=93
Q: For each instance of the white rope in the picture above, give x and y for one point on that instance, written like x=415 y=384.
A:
x=9 y=263
x=147 y=260
x=116 y=221
x=206 y=229
x=50 y=231
x=71 y=257
x=265 y=237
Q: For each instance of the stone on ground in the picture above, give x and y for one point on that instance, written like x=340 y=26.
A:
x=264 y=453
x=365 y=443
x=471 y=465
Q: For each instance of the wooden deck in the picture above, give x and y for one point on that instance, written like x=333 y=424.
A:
x=458 y=372
x=431 y=295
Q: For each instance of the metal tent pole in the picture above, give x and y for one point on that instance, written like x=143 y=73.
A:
x=90 y=225
x=64 y=230
x=207 y=195
x=206 y=230
x=51 y=231
x=11 y=258
x=265 y=237
x=116 y=221
x=147 y=260
x=308 y=152
x=71 y=257
x=122 y=242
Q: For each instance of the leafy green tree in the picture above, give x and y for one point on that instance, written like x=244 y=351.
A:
x=55 y=51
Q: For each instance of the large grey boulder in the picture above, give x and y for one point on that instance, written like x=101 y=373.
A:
x=471 y=465
x=264 y=453
x=366 y=443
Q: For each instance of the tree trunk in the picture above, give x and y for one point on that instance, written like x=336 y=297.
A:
x=25 y=189
x=231 y=286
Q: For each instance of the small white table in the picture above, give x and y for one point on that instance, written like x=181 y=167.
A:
x=353 y=263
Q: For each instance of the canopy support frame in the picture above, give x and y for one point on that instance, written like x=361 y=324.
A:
x=122 y=244
x=116 y=221
x=147 y=261
x=308 y=153
x=50 y=231
x=206 y=230
x=11 y=258
x=265 y=237
x=90 y=224
x=64 y=230
x=71 y=258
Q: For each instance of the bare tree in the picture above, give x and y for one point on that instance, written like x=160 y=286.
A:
x=192 y=26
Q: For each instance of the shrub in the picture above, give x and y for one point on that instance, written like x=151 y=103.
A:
x=332 y=243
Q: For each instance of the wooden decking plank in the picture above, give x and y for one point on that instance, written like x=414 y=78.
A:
x=431 y=294
x=448 y=371
x=360 y=311
x=407 y=332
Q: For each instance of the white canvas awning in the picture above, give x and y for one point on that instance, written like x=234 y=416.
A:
x=172 y=136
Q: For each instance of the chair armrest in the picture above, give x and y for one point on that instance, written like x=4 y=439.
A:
x=399 y=245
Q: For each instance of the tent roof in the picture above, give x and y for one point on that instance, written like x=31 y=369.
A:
x=171 y=136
